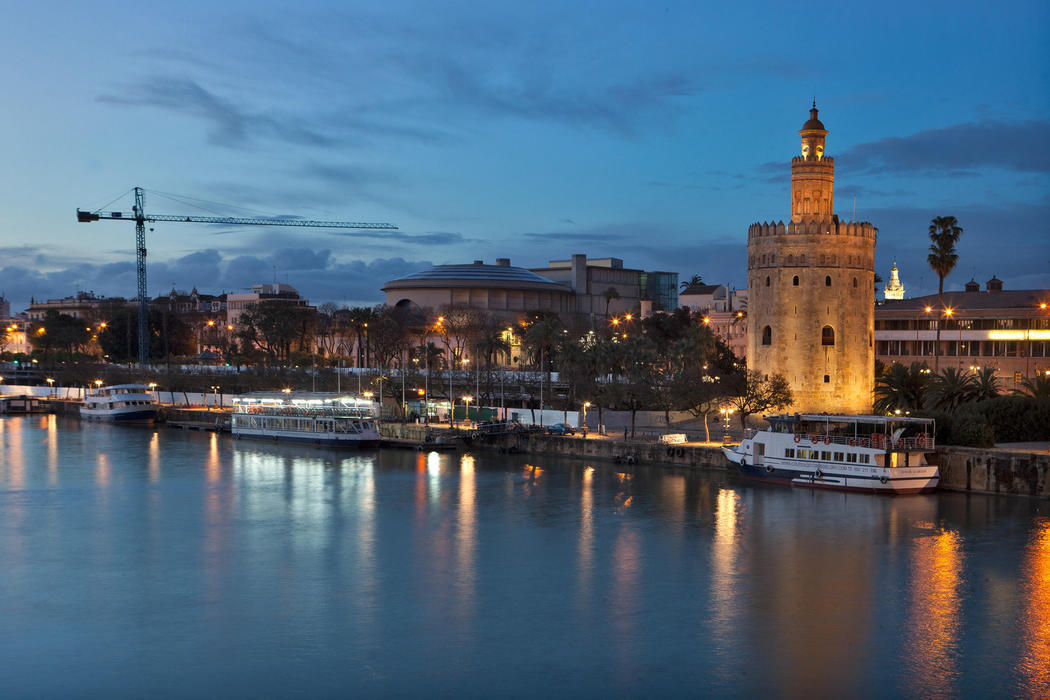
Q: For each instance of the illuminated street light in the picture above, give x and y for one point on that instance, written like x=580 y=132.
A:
x=726 y=412
x=51 y=386
x=286 y=390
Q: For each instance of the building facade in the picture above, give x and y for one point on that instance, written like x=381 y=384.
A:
x=1008 y=331
x=811 y=291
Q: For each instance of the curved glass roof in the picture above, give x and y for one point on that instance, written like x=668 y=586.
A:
x=498 y=274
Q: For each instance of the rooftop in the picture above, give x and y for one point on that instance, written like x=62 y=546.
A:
x=476 y=275
x=970 y=301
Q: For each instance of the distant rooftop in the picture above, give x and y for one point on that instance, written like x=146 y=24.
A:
x=478 y=274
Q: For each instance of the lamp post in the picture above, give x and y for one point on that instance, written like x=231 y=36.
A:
x=50 y=387
x=214 y=395
x=583 y=428
x=153 y=389
x=466 y=407
x=726 y=412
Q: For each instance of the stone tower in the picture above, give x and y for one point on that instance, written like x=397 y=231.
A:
x=811 y=291
x=894 y=289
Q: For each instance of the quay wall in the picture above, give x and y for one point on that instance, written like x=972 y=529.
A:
x=1007 y=472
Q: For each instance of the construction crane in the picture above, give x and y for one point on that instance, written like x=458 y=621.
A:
x=140 y=217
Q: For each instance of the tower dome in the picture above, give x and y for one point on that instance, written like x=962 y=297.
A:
x=813 y=124
x=894 y=289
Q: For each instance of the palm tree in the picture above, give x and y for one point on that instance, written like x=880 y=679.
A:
x=609 y=294
x=900 y=388
x=358 y=318
x=944 y=234
x=987 y=384
x=695 y=279
x=544 y=333
x=490 y=343
x=1038 y=388
x=950 y=389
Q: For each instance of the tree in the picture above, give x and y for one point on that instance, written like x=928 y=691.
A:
x=358 y=319
x=544 y=333
x=168 y=335
x=273 y=326
x=701 y=395
x=695 y=279
x=637 y=376
x=901 y=388
x=987 y=384
x=1037 y=388
x=755 y=392
x=949 y=389
x=610 y=293
x=944 y=234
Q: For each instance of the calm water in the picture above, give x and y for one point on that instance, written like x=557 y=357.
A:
x=143 y=562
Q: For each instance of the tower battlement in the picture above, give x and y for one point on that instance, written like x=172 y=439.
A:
x=811 y=160
x=813 y=227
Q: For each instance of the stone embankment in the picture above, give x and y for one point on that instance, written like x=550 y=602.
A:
x=994 y=471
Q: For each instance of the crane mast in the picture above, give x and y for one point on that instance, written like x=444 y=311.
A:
x=140 y=217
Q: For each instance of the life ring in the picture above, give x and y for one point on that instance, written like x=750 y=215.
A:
x=769 y=469
x=883 y=479
x=852 y=442
x=921 y=440
x=473 y=436
x=798 y=438
x=827 y=439
x=743 y=461
x=818 y=474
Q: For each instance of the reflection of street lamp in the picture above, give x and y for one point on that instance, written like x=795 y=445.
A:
x=726 y=412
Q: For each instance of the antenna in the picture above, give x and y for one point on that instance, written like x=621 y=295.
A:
x=854 y=218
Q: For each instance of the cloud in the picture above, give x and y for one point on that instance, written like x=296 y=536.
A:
x=231 y=126
x=958 y=150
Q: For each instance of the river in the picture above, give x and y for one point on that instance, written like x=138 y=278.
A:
x=143 y=562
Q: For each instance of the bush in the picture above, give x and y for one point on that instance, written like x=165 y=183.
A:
x=1002 y=419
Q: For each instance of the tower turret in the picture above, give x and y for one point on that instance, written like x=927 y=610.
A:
x=894 y=289
x=812 y=174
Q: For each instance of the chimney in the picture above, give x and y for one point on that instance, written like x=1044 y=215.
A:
x=479 y=262
x=503 y=262
x=579 y=273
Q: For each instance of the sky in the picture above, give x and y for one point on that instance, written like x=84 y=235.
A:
x=652 y=132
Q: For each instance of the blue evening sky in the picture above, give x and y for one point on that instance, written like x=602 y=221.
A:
x=653 y=132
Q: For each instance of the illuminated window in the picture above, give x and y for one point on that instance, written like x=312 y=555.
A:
x=795 y=281
x=767 y=336
x=827 y=335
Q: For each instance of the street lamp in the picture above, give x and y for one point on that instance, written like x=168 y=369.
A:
x=214 y=395
x=51 y=386
x=726 y=412
x=466 y=407
x=586 y=405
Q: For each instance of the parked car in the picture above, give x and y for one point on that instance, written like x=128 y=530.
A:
x=561 y=429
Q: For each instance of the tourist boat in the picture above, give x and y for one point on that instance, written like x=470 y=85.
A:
x=120 y=403
x=309 y=417
x=22 y=404
x=881 y=454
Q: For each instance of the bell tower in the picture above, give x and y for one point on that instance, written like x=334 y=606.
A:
x=812 y=174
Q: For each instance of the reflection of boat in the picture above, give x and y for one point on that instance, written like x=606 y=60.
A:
x=314 y=418
x=119 y=403
x=884 y=454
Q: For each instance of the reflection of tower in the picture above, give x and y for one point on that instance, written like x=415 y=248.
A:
x=894 y=288
x=811 y=291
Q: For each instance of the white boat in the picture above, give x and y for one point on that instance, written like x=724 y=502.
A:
x=123 y=403
x=881 y=454
x=309 y=417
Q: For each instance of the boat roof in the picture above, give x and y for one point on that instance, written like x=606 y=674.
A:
x=833 y=418
x=125 y=386
x=314 y=397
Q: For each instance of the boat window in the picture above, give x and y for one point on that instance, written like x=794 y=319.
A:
x=865 y=459
x=789 y=452
x=839 y=457
x=826 y=456
x=851 y=457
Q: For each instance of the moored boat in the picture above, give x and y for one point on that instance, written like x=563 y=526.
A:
x=881 y=454
x=307 y=417
x=119 y=403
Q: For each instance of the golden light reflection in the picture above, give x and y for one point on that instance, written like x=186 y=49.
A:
x=14 y=461
x=626 y=574
x=724 y=554
x=434 y=474
x=933 y=625
x=466 y=536
x=52 y=449
x=213 y=466
x=103 y=470
x=585 y=541
x=1033 y=666
x=153 y=457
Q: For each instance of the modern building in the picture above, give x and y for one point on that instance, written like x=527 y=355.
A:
x=237 y=304
x=1006 y=330
x=894 y=289
x=603 y=287
x=811 y=291
x=504 y=290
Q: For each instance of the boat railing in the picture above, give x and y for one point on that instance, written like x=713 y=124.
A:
x=300 y=412
x=879 y=441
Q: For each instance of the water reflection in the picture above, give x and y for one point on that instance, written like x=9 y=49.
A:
x=51 y=430
x=931 y=645
x=12 y=434
x=466 y=537
x=585 y=538
x=1034 y=662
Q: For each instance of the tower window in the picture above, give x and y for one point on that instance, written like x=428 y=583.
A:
x=827 y=379
x=767 y=336
x=827 y=281
x=795 y=281
x=767 y=281
x=827 y=335
x=854 y=282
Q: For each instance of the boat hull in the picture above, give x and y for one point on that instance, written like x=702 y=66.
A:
x=322 y=440
x=105 y=416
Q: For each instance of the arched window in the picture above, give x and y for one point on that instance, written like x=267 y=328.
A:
x=795 y=281
x=767 y=281
x=827 y=281
x=767 y=336
x=827 y=335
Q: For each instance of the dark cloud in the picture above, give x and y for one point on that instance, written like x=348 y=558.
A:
x=231 y=125
x=428 y=238
x=957 y=150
